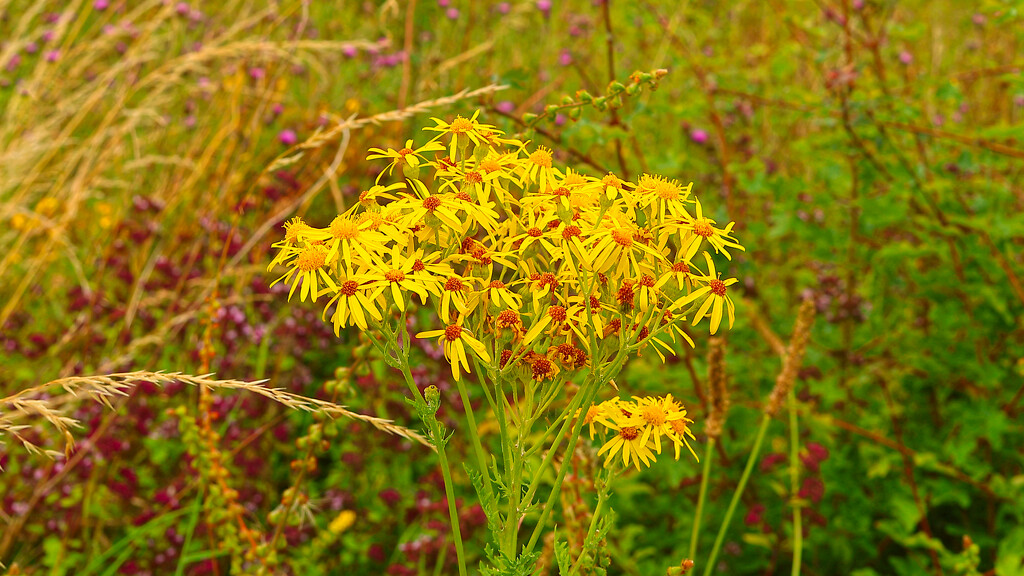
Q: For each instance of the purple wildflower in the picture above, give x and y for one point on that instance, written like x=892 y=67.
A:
x=288 y=137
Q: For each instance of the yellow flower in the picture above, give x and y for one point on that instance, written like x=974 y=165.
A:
x=346 y=236
x=455 y=338
x=539 y=169
x=453 y=294
x=667 y=196
x=696 y=230
x=630 y=441
x=536 y=232
x=466 y=130
x=309 y=264
x=600 y=414
x=342 y=522
x=397 y=275
x=619 y=251
x=658 y=415
x=497 y=292
x=406 y=157
x=352 y=305
x=716 y=300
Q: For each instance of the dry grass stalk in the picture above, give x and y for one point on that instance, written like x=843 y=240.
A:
x=26 y=403
x=718 y=392
x=320 y=139
x=793 y=359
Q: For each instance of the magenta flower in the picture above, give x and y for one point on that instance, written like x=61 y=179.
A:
x=182 y=8
x=699 y=136
x=505 y=106
x=544 y=6
x=906 y=58
x=565 y=57
x=100 y=5
x=452 y=13
x=52 y=55
x=288 y=137
x=504 y=8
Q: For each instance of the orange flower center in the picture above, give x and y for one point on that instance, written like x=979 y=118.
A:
x=349 y=288
x=311 y=258
x=647 y=281
x=541 y=157
x=622 y=237
x=667 y=191
x=344 y=229
x=460 y=125
x=431 y=203
x=452 y=333
x=703 y=228
x=717 y=287
x=681 y=267
x=611 y=181
x=653 y=415
x=418 y=266
x=474 y=177
x=570 y=231
x=394 y=275
x=629 y=433
x=497 y=284
x=535 y=232
x=679 y=426
x=453 y=284
x=490 y=166
x=508 y=319
x=557 y=313
x=293 y=228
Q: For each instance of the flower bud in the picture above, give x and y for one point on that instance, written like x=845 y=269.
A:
x=433 y=397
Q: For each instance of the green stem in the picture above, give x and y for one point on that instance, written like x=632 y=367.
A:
x=794 y=482
x=474 y=436
x=438 y=437
x=453 y=514
x=709 y=455
x=602 y=499
x=588 y=394
x=709 y=568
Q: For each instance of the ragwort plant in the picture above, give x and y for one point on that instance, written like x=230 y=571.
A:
x=542 y=282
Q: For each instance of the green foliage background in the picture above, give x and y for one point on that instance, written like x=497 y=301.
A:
x=870 y=152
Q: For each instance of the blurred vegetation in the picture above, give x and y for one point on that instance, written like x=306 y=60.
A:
x=870 y=152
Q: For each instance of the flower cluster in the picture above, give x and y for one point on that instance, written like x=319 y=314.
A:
x=638 y=427
x=530 y=268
